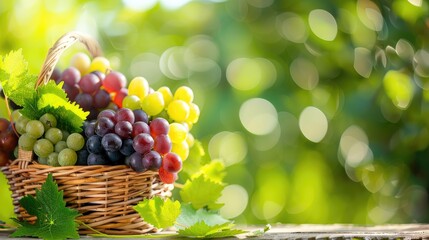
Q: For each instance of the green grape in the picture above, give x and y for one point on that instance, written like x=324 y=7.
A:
x=53 y=160
x=43 y=160
x=139 y=87
x=26 y=142
x=178 y=110
x=166 y=94
x=54 y=135
x=75 y=141
x=65 y=135
x=21 y=124
x=67 y=157
x=153 y=103
x=194 y=113
x=48 y=120
x=99 y=64
x=81 y=62
x=181 y=149
x=60 y=146
x=184 y=93
x=177 y=132
x=35 y=128
x=16 y=115
x=131 y=101
x=43 y=147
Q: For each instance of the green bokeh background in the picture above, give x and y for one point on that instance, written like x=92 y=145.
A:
x=319 y=109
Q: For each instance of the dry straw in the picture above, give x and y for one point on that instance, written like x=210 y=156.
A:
x=103 y=195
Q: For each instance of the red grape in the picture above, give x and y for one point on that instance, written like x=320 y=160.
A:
x=152 y=160
x=4 y=158
x=162 y=144
x=159 y=126
x=143 y=143
x=140 y=127
x=123 y=129
x=108 y=113
x=114 y=81
x=167 y=177
x=90 y=83
x=125 y=114
x=8 y=141
x=172 y=162
x=119 y=96
x=70 y=76
x=4 y=124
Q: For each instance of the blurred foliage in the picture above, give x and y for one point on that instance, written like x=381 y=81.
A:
x=319 y=109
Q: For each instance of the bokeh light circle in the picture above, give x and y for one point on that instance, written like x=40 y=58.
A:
x=323 y=24
x=235 y=199
x=313 y=124
x=304 y=73
x=230 y=147
x=258 y=116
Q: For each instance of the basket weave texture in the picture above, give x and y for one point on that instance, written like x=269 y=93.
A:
x=103 y=195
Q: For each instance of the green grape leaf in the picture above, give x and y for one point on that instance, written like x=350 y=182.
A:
x=203 y=230
x=189 y=216
x=158 y=212
x=195 y=159
x=17 y=84
x=51 y=98
x=215 y=171
x=202 y=192
x=54 y=219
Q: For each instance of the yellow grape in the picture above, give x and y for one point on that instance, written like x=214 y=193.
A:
x=153 y=103
x=181 y=149
x=177 y=132
x=190 y=140
x=178 y=110
x=99 y=64
x=132 y=102
x=184 y=93
x=194 y=113
x=166 y=93
x=81 y=62
x=188 y=125
x=139 y=87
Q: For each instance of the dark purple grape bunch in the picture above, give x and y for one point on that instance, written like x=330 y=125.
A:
x=126 y=137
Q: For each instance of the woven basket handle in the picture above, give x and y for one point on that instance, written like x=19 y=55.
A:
x=54 y=54
x=62 y=44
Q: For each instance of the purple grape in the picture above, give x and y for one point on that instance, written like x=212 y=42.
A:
x=71 y=90
x=84 y=100
x=143 y=143
x=125 y=114
x=82 y=157
x=93 y=113
x=89 y=128
x=135 y=162
x=111 y=142
x=96 y=159
x=127 y=147
x=93 y=144
x=152 y=160
x=70 y=76
x=115 y=157
x=99 y=74
x=103 y=126
x=123 y=129
x=108 y=113
x=90 y=83
x=140 y=115
x=56 y=75
x=140 y=127
x=101 y=99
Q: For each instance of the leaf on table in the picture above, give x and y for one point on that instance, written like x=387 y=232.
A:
x=259 y=232
x=203 y=230
x=202 y=192
x=17 y=84
x=54 y=219
x=189 y=216
x=158 y=212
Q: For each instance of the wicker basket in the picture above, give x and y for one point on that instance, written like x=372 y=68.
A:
x=103 y=195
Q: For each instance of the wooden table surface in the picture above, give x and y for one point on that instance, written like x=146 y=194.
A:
x=333 y=231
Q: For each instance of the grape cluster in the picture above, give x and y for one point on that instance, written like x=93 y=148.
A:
x=128 y=137
x=52 y=146
x=86 y=84
x=8 y=141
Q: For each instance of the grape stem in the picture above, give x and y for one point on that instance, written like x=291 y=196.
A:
x=178 y=185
